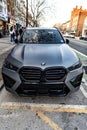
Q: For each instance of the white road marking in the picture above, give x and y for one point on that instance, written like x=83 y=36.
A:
x=83 y=91
x=83 y=80
x=80 y=53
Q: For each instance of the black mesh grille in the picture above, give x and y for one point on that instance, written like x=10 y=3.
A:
x=77 y=80
x=9 y=82
x=43 y=89
x=30 y=74
x=55 y=74
x=38 y=75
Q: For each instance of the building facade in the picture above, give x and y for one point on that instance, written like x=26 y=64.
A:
x=66 y=26
x=11 y=12
x=17 y=13
x=3 y=17
x=20 y=12
x=78 y=22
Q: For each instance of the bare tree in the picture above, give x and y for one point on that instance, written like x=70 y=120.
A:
x=37 y=8
x=59 y=26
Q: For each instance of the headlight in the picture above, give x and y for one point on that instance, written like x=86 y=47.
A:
x=10 y=66
x=75 y=66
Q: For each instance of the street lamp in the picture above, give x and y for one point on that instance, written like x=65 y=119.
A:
x=26 y=13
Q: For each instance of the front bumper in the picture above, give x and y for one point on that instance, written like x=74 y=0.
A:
x=14 y=84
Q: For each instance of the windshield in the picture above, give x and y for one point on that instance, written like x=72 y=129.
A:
x=41 y=36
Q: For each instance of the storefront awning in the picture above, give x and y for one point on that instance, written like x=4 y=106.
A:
x=73 y=31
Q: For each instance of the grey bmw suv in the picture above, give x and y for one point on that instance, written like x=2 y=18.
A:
x=42 y=63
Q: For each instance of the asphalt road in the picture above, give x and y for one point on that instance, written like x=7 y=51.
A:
x=43 y=112
x=79 y=45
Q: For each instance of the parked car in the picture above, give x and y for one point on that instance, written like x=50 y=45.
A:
x=69 y=35
x=83 y=37
x=42 y=64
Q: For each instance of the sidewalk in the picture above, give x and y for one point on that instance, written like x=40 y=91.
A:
x=5 y=45
x=4 y=40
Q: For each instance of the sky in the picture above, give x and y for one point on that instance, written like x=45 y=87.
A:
x=60 y=11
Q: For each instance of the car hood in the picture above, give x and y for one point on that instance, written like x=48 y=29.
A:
x=44 y=55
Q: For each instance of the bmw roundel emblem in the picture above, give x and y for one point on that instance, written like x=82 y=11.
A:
x=43 y=63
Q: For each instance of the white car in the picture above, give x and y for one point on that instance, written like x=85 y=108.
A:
x=68 y=35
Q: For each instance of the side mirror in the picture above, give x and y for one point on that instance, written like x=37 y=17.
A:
x=67 y=41
x=16 y=40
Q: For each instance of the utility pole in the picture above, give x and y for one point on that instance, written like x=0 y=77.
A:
x=26 y=13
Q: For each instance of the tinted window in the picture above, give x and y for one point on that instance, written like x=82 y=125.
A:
x=42 y=36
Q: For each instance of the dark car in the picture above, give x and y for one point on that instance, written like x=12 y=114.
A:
x=1 y=34
x=42 y=64
x=84 y=37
